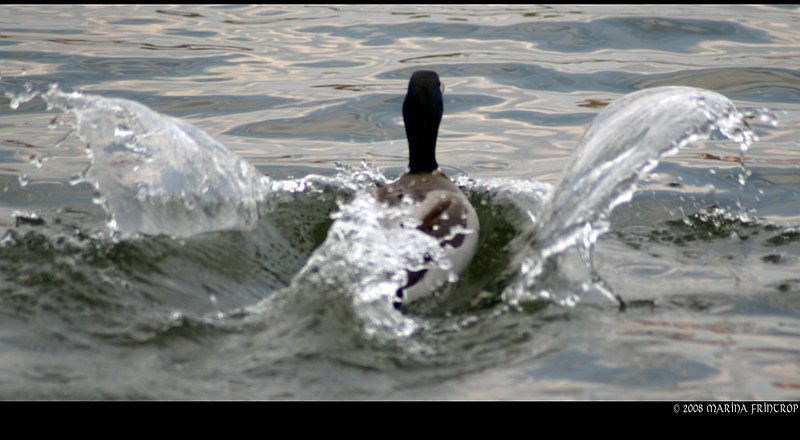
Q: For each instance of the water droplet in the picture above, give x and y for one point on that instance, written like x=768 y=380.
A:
x=123 y=131
x=571 y=300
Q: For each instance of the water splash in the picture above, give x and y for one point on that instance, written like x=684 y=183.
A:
x=158 y=174
x=365 y=256
x=625 y=141
x=15 y=100
x=155 y=174
x=745 y=139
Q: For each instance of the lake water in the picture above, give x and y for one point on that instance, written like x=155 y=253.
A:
x=705 y=254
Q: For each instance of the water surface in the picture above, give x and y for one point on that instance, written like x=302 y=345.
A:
x=708 y=266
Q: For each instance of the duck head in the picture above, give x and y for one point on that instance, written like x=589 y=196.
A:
x=422 y=113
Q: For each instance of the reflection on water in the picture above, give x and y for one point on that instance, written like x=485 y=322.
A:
x=565 y=36
x=296 y=89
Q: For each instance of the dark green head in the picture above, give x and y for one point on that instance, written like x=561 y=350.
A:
x=422 y=113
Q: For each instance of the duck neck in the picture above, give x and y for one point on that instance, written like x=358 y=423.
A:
x=422 y=155
x=421 y=130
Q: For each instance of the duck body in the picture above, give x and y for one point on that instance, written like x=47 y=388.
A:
x=442 y=211
x=440 y=208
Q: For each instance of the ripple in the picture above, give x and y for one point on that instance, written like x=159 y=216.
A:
x=655 y=33
x=491 y=165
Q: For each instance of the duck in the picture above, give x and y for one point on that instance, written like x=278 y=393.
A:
x=439 y=206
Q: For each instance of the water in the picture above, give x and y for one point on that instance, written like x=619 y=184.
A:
x=237 y=259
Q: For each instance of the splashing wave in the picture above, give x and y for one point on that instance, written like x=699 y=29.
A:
x=160 y=175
